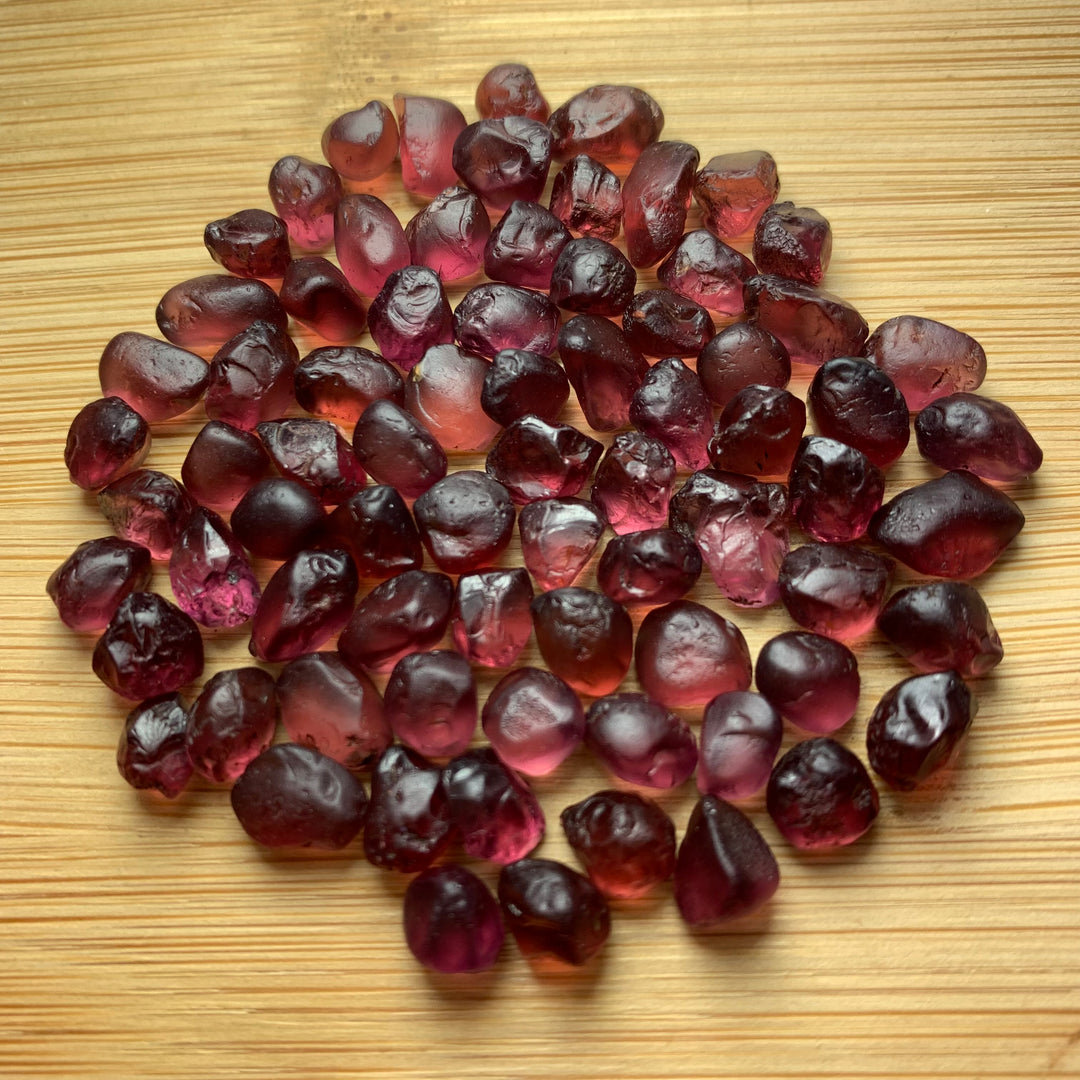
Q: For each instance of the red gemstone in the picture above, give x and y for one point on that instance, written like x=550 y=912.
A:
x=209 y=310
x=558 y=537
x=449 y=235
x=587 y=198
x=316 y=293
x=494 y=316
x=369 y=242
x=342 y=381
x=443 y=393
x=251 y=376
x=375 y=526
x=316 y=454
x=758 y=432
x=157 y=379
x=660 y=322
x=465 y=521
x=153 y=746
x=503 y=159
x=707 y=271
x=610 y=123
x=656 y=196
x=107 y=439
x=633 y=483
x=88 y=586
x=396 y=449
x=147 y=507
x=249 y=243
x=428 y=128
x=520 y=382
x=742 y=355
x=733 y=191
x=652 y=566
x=305 y=195
x=277 y=517
x=740 y=738
x=491 y=622
x=593 y=277
x=524 y=245
x=410 y=315
x=793 y=242
x=231 y=722
x=361 y=144
x=835 y=489
x=510 y=90
x=223 y=463
x=430 y=702
x=535 y=460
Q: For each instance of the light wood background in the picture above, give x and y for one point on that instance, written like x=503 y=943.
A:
x=148 y=940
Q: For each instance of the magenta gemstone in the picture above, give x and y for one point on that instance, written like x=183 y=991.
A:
x=510 y=90
x=609 y=123
x=315 y=454
x=835 y=489
x=465 y=521
x=430 y=702
x=524 y=245
x=660 y=322
x=410 y=315
x=147 y=507
x=653 y=566
x=733 y=191
x=494 y=316
x=656 y=197
x=369 y=242
x=223 y=463
x=277 y=518
x=449 y=235
x=794 y=242
x=504 y=159
x=249 y=243
x=633 y=483
x=153 y=746
x=428 y=129
x=88 y=586
x=305 y=195
x=361 y=144
x=316 y=293
x=396 y=449
x=157 y=379
x=443 y=393
x=231 y=722
x=209 y=310
x=535 y=460
x=592 y=276
x=491 y=622
x=708 y=272
x=740 y=738
x=107 y=439
x=758 y=432
x=742 y=354
x=586 y=196
x=343 y=380
x=558 y=537
x=376 y=528
x=520 y=383
x=251 y=376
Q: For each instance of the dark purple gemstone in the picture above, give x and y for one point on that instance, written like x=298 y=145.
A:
x=397 y=449
x=428 y=129
x=211 y=309
x=653 y=566
x=277 y=518
x=821 y=796
x=510 y=90
x=558 y=537
x=494 y=316
x=708 y=272
x=625 y=841
x=465 y=521
x=587 y=198
x=369 y=242
x=592 y=276
x=758 y=432
x=733 y=191
x=376 y=528
x=249 y=243
x=504 y=159
x=660 y=322
x=293 y=796
x=316 y=293
x=491 y=622
x=609 y=123
x=633 y=482
x=153 y=746
x=520 y=382
x=362 y=143
x=535 y=460
x=449 y=236
x=315 y=454
x=443 y=393
x=711 y=490
x=410 y=314
x=741 y=355
x=88 y=586
x=656 y=196
x=150 y=647
x=741 y=734
x=430 y=702
x=107 y=439
x=251 y=376
x=835 y=489
x=223 y=463
x=793 y=242
x=305 y=195
x=157 y=379
x=524 y=245
x=231 y=722
x=147 y=507
x=343 y=380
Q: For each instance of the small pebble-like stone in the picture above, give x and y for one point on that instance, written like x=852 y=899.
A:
x=794 y=242
x=587 y=197
x=397 y=449
x=443 y=392
x=593 y=277
x=222 y=464
x=609 y=123
x=88 y=586
x=362 y=143
x=633 y=483
x=251 y=376
x=704 y=269
x=315 y=454
x=375 y=526
x=758 y=432
x=465 y=521
x=491 y=621
x=341 y=381
x=656 y=197
x=733 y=191
x=504 y=159
x=558 y=537
x=369 y=242
x=211 y=309
x=520 y=382
x=305 y=195
x=660 y=322
x=510 y=90
x=249 y=243
x=653 y=566
x=231 y=722
x=410 y=315
x=277 y=517
x=147 y=507
x=428 y=128
x=671 y=406
x=157 y=379
x=835 y=489
x=494 y=316
x=535 y=460
x=741 y=355
x=524 y=245
x=316 y=293
x=449 y=235
x=741 y=734
x=107 y=439
x=153 y=746
x=430 y=702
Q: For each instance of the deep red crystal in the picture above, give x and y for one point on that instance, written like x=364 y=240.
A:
x=305 y=195
x=656 y=196
x=249 y=243
x=209 y=310
x=520 y=382
x=449 y=234
x=587 y=198
x=534 y=460
x=316 y=293
x=376 y=528
x=410 y=314
x=315 y=454
x=609 y=123
x=251 y=376
x=341 y=381
x=395 y=448
x=277 y=517
x=633 y=482
x=369 y=242
x=465 y=521
x=153 y=746
x=361 y=144
x=558 y=537
x=107 y=439
x=510 y=90
x=491 y=622
x=741 y=734
x=493 y=316
x=794 y=242
x=231 y=722
x=503 y=159
x=741 y=355
x=428 y=129
x=157 y=379
x=660 y=322
x=147 y=507
x=88 y=586
x=592 y=276
x=222 y=464
x=707 y=271
x=835 y=489
x=733 y=191
x=430 y=702
x=652 y=566
x=443 y=393
x=524 y=245
x=758 y=432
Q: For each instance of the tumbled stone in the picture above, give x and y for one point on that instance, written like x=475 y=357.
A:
x=430 y=702
x=377 y=529
x=586 y=196
x=231 y=722
x=705 y=270
x=593 y=277
x=520 y=382
x=443 y=392
x=428 y=128
x=534 y=460
x=758 y=432
x=277 y=517
x=362 y=143
x=493 y=316
x=147 y=507
x=733 y=191
x=410 y=315
x=510 y=90
x=318 y=295
x=465 y=521
x=251 y=376
x=670 y=405
x=524 y=245
x=741 y=355
x=369 y=242
x=88 y=586
x=660 y=322
x=107 y=439
x=249 y=243
x=341 y=381
x=609 y=123
x=835 y=489
x=157 y=379
x=504 y=159
x=222 y=464
x=397 y=449
x=794 y=242
x=449 y=234
x=491 y=622
x=558 y=537
x=315 y=454
x=305 y=195
x=652 y=566
x=656 y=197
x=211 y=309
x=152 y=753
x=633 y=482
x=741 y=734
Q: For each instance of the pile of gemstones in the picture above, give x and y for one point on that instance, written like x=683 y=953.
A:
x=705 y=464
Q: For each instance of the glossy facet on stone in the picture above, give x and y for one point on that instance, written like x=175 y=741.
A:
x=656 y=197
x=653 y=566
x=443 y=392
x=704 y=269
x=376 y=528
x=153 y=746
x=758 y=432
x=107 y=439
x=558 y=537
x=315 y=454
x=395 y=448
x=222 y=464
x=305 y=195
x=733 y=191
x=211 y=309
x=157 y=379
x=362 y=143
x=504 y=159
x=88 y=586
x=510 y=90
x=794 y=242
x=465 y=521
x=428 y=128
x=249 y=243
x=741 y=734
x=430 y=702
x=341 y=381
x=251 y=376
x=410 y=315
x=535 y=460
x=741 y=355
x=633 y=483
x=491 y=621
x=277 y=517
x=147 y=507
x=660 y=322
x=593 y=277
x=835 y=489
x=587 y=197
x=231 y=722
x=524 y=245
x=449 y=235
x=494 y=316
x=369 y=242
x=520 y=382
x=609 y=123
x=316 y=293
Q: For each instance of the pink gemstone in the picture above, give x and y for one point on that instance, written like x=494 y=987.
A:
x=211 y=309
x=835 y=489
x=793 y=242
x=610 y=123
x=376 y=528
x=633 y=483
x=558 y=537
x=157 y=379
x=88 y=586
x=593 y=277
x=410 y=315
x=369 y=242
x=107 y=439
x=510 y=90
x=249 y=243
x=449 y=235
x=223 y=463
x=428 y=127
x=741 y=355
x=153 y=746
x=342 y=381
x=251 y=376
x=491 y=622
x=534 y=460
x=656 y=196
x=277 y=518
x=333 y=709
x=711 y=489
x=465 y=521
x=653 y=566
x=758 y=432
x=707 y=271
x=361 y=144
x=520 y=383
x=316 y=454
x=315 y=292
x=305 y=195
x=443 y=393
x=147 y=507
x=231 y=722
x=671 y=406
x=494 y=316
x=660 y=322
x=524 y=246
x=733 y=191
x=503 y=159
x=741 y=734
x=430 y=702
x=395 y=448
x=587 y=198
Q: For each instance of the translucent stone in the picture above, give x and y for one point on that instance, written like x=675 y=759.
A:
x=653 y=566
x=305 y=195
x=147 y=507
x=942 y=626
x=656 y=197
x=88 y=586
x=520 y=382
x=316 y=293
x=710 y=490
x=396 y=449
x=742 y=355
x=954 y=526
x=305 y=603
x=231 y=722
x=917 y=727
x=369 y=242
x=733 y=191
x=405 y=614
x=331 y=708
x=625 y=841
x=465 y=521
x=493 y=316
x=428 y=129
x=633 y=483
x=430 y=702
x=210 y=575
x=293 y=796
x=708 y=272
x=592 y=276
x=107 y=439
x=510 y=90
x=251 y=376
x=408 y=818
x=812 y=680
x=741 y=734
x=983 y=436
x=452 y=922
x=558 y=537
x=495 y=811
x=504 y=159
x=609 y=123
x=375 y=526
x=315 y=454
x=724 y=868
x=222 y=464
x=491 y=622
x=686 y=654
x=553 y=912
x=341 y=381
x=249 y=243
x=534 y=460
x=443 y=392
x=210 y=309
x=813 y=325
x=821 y=796
x=533 y=720
x=153 y=746
x=586 y=196
x=835 y=489
x=410 y=315
x=758 y=432
x=660 y=322
x=793 y=242
x=584 y=637
x=640 y=741
x=524 y=245
x=834 y=589
x=926 y=360
x=361 y=144
x=277 y=517
x=604 y=369
x=448 y=235
x=157 y=379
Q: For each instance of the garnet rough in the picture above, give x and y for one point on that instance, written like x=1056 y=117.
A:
x=742 y=354
x=820 y=795
x=660 y=322
x=452 y=922
x=465 y=521
x=656 y=196
x=153 y=746
x=231 y=722
x=397 y=449
x=758 y=432
x=520 y=382
x=430 y=702
x=510 y=90
x=449 y=235
x=835 y=489
x=724 y=868
x=524 y=245
x=251 y=376
x=107 y=439
x=343 y=380
x=917 y=727
x=534 y=460
x=707 y=271
x=249 y=243
x=653 y=566
x=710 y=490
x=587 y=198
x=209 y=310
x=375 y=526
x=88 y=586
x=593 y=277
x=493 y=316
x=733 y=191
x=558 y=537
x=147 y=507
x=443 y=392
x=794 y=242
x=625 y=841
x=361 y=144
x=741 y=734
x=369 y=242
x=305 y=195
x=277 y=517
x=316 y=293
x=491 y=622
x=157 y=379
x=633 y=482
x=223 y=463
x=428 y=129
x=504 y=159
x=609 y=123
x=954 y=526
x=315 y=454
x=410 y=314
x=293 y=796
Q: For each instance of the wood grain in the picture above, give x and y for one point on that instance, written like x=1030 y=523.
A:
x=153 y=941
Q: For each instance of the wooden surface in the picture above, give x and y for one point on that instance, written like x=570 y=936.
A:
x=152 y=940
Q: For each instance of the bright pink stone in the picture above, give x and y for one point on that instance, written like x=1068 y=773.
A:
x=428 y=128
x=305 y=195
x=410 y=315
x=157 y=379
x=251 y=376
x=153 y=746
x=369 y=242
x=793 y=242
x=210 y=575
x=534 y=460
x=633 y=483
x=316 y=293
x=231 y=722
x=587 y=198
x=533 y=720
x=315 y=454
x=277 y=518
x=520 y=383
x=671 y=406
x=107 y=439
x=593 y=277
x=656 y=197
x=503 y=159
x=494 y=316
x=147 y=507
x=333 y=709
x=361 y=144
x=707 y=271
x=558 y=537
x=835 y=489
x=211 y=309
x=249 y=243
x=449 y=235
x=740 y=738
x=465 y=521
x=88 y=586
x=491 y=622
x=610 y=123
x=443 y=393
x=733 y=191
x=524 y=246
x=510 y=90
x=741 y=355
x=223 y=463
x=376 y=528
x=758 y=432
x=653 y=566
x=660 y=322
x=396 y=449
x=342 y=381
x=430 y=702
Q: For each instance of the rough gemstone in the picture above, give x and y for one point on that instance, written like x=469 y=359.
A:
x=609 y=123
x=604 y=369
x=410 y=314
x=493 y=316
x=710 y=490
x=533 y=720
x=553 y=912
x=452 y=922
x=210 y=309
x=917 y=727
x=510 y=90
x=307 y=601
x=153 y=746
x=794 y=242
x=942 y=626
x=343 y=380
x=653 y=566
x=362 y=143
x=740 y=738
x=491 y=622
x=656 y=197
x=686 y=654
x=707 y=271
x=504 y=159
x=625 y=841
x=157 y=379
x=430 y=702
x=758 y=432
x=448 y=235
x=660 y=322
x=231 y=722
x=305 y=195
x=524 y=245
x=428 y=129
x=835 y=489
x=147 y=507
x=592 y=276
x=633 y=482
x=724 y=869
x=733 y=191
x=520 y=382
x=316 y=293
x=584 y=637
x=251 y=376
x=926 y=360
x=222 y=464
x=443 y=392
x=293 y=796
x=88 y=586
x=369 y=242
x=534 y=460
x=396 y=449
x=740 y=355
x=277 y=517
x=376 y=528
x=820 y=795
x=954 y=526
x=249 y=243
x=587 y=198
x=558 y=537
x=315 y=454
x=150 y=647
x=465 y=521
x=107 y=439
